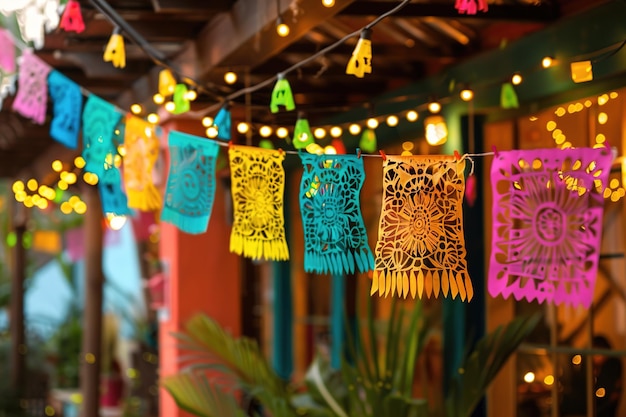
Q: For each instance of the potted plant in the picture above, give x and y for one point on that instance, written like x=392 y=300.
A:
x=375 y=378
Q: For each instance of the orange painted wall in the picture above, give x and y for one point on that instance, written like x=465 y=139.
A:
x=204 y=277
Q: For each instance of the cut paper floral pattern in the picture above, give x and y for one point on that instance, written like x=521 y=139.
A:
x=547 y=223
x=32 y=93
x=99 y=121
x=258 y=182
x=420 y=249
x=335 y=240
x=190 y=187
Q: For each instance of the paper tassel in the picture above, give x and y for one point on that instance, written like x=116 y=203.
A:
x=32 y=94
x=167 y=83
x=114 y=200
x=257 y=186
x=72 y=19
x=335 y=240
x=368 y=141
x=115 y=52
x=99 y=121
x=142 y=151
x=508 y=97
x=67 y=102
x=282 y=96
x=421 y=249
x=547 y=223
x=223 y=123
x=190 y=187
x=361 y=60
x=181 y=103
x=302 y=135
x=471 y=6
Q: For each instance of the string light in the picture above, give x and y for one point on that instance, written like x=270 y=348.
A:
x=336 y=131
x=191 y=95
x=516 y=79
x=265 y=131
x=207 y=121
x=158 y=99
x=319 y=133
x=466 y=94
x=392 y=120
x=230 y=77
x=243 y=128
x=546 y=62
x=281 y=27
x=282 y=132
x=153 y=118
x=136 y=108
x=354 y=129
x=412 y=116
x=328 y=3
x=434 y=106
x=211 y=132
x=372 y=123
x=170 y=106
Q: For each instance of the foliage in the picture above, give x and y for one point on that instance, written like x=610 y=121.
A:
x=375 y=378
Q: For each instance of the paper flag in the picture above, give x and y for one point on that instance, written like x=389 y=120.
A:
x=181 y=102
x=190 y=187
x=420 y=248
x=508 y=97
x=282 y=96
x=114 y=200
x=223 y=123
x=99 y=121
x=7 y=52
x=471 y=6
x=115 y=51
x=547 y=223
x=67 y=103
x=335 y=240
x=72 y=19
x=32 y=93
x=257 y=185
x=142 y=151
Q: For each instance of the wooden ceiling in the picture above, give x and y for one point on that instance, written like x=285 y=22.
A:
x=204 y=39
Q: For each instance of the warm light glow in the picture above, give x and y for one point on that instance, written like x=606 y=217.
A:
x=551 y=125
x=153 y=118
x=265 y=131
x=28 y=201
x=560 y=112
x=546 y=62
x=32 y=184
x=336 y=131
x=577 y=359
x=314 y=148
x=319 y=133
x=191 y=95
x=548 y=380
x=392 y=121
x=42 y=203
x=79 y=162
x=66 y=208
x=516 y=79
x=529 y=377
x=281 y=28
x=466 y=94
x=600 y=392
x=170 y=106
x=243 y=127
x=603 y=118
x=408 y=146
x=57 y=166
x=282 y=132
x=80 y=207
x=20 y=196
x=90 y=178
x=18 y=186
x=207 y=121
x=230 y=77
x=355 y=129
x=412 y=115
x=613 y=94
x=116 y=222
x=136 y=108
x=330 y=150
x=372 y=123
x=436 y=130
x=63 y=185
x=158 y=99
x=211 y=132
x=434 y=107
x=328 y=3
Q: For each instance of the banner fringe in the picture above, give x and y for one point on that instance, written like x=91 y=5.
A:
x=191 y=225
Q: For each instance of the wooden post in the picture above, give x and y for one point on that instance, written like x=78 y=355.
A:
x=92 y=319
x=18 y=342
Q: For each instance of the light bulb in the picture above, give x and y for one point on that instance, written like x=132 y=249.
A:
x=516 y=79
x=328 y=3
x=466 y=94
x=230 y=77
x=281 y=27
x=265 y=131
x=136 y=108
x=158 y=99
x=434 y=107
x=153 y=118
x=282 y=132
x=79 y=162
x=57 y=166
x=207 y=121
x=191 y=95
x=170 y=106
x=319 y=133
x=243 y=127
x=546 y=62
x=392 y=120
x=211 y=132
x=335 y=131
x=355 y=129
x=372 y=123
x=412 y=115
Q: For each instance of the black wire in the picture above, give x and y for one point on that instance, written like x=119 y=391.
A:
x=610 y=54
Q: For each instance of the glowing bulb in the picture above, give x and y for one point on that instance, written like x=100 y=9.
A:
x=335 y=131
x=434 y=107
x=191 y=95
x=412 y=115
x=80 y=207
x=328 y=3
x=116 y=222
x=577 y=359
x=281 y=27
x=18 y=186
x=282 y=132
x=243 y=127
x=136 y=108
x=516 y=79
x=42 y=204
x=79 y=162
x=158 y=99
x=211 y=132
x=392 y=121
x=319 y=133
x=546 y=62
x=265 y=131
x=207 y=121
x=32 y=184
x=354 y=129
x=529 y=377
x=63 y=185
x=153 y=118
x=230 y=77
x=548 y=380
x=372 y=123
x=170 y=106
x=467 y=94
x=57 y=165
x=66 y=208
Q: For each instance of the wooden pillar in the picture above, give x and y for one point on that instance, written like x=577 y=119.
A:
x=92 y=319
x=18 y=342
x=204 y=277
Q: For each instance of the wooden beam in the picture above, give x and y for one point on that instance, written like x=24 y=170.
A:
x=542 y=12
x=185 y=6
